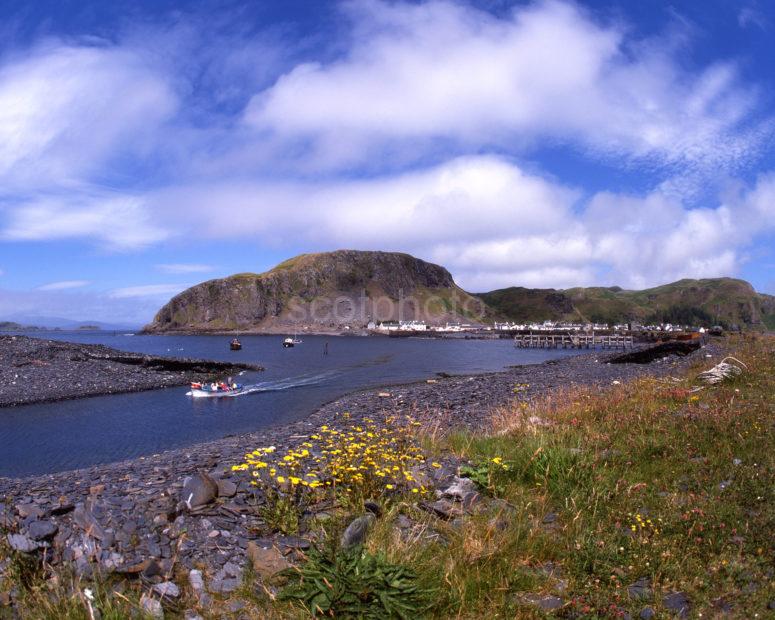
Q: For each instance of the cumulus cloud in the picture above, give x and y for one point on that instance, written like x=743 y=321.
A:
x=385 y=140
x=64 y=285
x=176 y=268
x=495 y=225
x=66 y=111
x=447 y=71
x=117 y=221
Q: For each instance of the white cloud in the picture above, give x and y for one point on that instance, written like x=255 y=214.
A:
x=162 y=291
x=445 y=71
x=120 y=222
x=493 y=224
x=66 y=111
x=64 y=285
x=177 y=268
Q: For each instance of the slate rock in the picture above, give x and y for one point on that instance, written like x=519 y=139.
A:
x=267 y=562
x=167 y=589
x=678 y=603
x=29 y=510
x=226 y=488
x=546 y=603
x=85 y=519
x=199 y=490
x=42 y=530
x=460 y=487
x=647 y=613
x=356 y=532
x=641 y=589
x=22 y=543
x=196 y=581
x=151 y=607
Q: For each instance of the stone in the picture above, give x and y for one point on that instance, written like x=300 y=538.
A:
x=226 y=488
x=549 y=518
x=546 y=603
x=167 y=589
x=460 y=487
x=232 y=570
x=42 y=530
x=84 y=519
x=641 y=589
x=196 y=581
x=294 y=542
x=267 y=562
x=29 y=510
x=20 y=542
x=472 y=501
x=444 y=509
x=678 y=603
x=190 y=614
x=199 y=490
x=647 y=613
x=356 y=532
x=151 y=607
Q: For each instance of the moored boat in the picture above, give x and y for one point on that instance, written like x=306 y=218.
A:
x=235 y=345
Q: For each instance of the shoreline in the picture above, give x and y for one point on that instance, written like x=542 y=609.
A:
x=135 y=507
x=37 y=371
x=468 y=398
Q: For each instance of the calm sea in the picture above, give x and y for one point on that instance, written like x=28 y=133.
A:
x=54 y=437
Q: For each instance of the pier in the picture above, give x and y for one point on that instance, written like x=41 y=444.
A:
x=572 y=341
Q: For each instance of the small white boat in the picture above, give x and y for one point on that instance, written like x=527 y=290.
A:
x=291 y=342
x=215 y=390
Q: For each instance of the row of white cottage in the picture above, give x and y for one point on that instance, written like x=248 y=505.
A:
x=419 y=326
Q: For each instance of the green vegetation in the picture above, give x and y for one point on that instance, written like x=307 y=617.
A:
x=356 y=584
x=723 y=301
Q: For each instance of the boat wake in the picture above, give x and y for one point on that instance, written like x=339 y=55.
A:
x=278 y=385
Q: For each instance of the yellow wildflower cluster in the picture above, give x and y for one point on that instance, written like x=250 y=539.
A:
x=644 y=527
x=366 y=458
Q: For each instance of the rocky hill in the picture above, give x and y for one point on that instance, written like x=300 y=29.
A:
x=724 y=301
x=333 y=291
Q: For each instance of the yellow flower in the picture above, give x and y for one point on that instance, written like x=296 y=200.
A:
x=389 y=486
x=436 y=465
x=280 y=479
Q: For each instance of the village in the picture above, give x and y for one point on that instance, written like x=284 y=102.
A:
x=413 y=327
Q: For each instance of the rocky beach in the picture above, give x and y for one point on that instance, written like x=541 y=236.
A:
x=186 y=512
x=34 y=370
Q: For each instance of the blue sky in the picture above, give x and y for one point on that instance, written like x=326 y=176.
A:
x=147 y=146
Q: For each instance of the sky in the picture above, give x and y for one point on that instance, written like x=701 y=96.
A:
x=146 y=146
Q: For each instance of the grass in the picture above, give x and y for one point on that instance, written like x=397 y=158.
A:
x=643 y=480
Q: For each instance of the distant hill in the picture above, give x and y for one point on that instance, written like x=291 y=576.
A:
x=12 y=326
x=724 y=301
x=330 y=291
x=54 y=322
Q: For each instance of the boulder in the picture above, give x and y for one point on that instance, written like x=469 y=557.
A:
x=356 y=532
x=199 y=490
